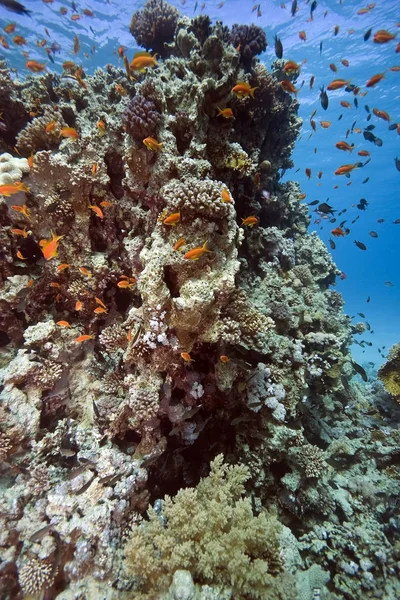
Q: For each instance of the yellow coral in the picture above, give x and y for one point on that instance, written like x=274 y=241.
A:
x=389 y=373
x=211 y=531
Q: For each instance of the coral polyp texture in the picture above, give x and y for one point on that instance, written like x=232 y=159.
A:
x=162 y=304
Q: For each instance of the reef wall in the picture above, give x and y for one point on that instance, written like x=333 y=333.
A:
x=167 y=305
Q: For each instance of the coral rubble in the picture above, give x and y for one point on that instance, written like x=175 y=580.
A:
x=162 y=304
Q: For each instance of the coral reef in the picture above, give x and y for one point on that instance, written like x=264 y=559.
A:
x=389 y=373
x=162 y=304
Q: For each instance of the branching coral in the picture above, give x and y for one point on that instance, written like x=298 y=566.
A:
x=154 y=26
x=211 y=531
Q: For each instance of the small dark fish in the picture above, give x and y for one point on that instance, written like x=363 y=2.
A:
x=96 y=410
x=370 y=137
x=342 y=276
x=388 y=283
x=294 y=7
x=360 y=245
x=369 y=117
x=320 y=47
x=92 y=30
x=77 y=471
x=368 y=326
x=373 y=234
x=325 y=208
x=362 y=205
x=312 y=8
x=332 y=244
x=397 y=163
x=356 y=102
x=313 y=203
x=74 y=7
x=39 y=535
x=392 y=127
x=51 y=58
x=342 y=224
x=367 y=108
x=360 y=370
x=370 y=128
x=380 y=220
x=368 y=299
x=361 y=315
x=195 y=7
x=14 y=6
x=278 y=47
x=86 y=486
x=324 y=98
x=367 y=35
x=352 y=127
x=354 y=220
x=366 y=180
x=340 y=117
x=332 y=220
x=396 y=222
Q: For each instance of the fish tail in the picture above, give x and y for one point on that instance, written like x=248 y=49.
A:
x=252 y=90
x=205 y=247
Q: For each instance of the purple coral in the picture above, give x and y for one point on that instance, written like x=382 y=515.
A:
x=141 y=118
x=154 y=26
x=251 y=39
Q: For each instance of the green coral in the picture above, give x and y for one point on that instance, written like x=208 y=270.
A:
x=211 y=531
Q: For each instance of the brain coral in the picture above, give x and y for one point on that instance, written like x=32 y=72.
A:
x=141 y=118
x=251 y=39
x=154 y=26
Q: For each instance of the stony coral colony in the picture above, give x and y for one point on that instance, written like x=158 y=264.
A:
x=161 y=302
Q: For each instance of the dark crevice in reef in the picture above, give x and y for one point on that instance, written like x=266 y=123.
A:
x=115 y=171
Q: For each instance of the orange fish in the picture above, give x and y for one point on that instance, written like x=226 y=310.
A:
x=77 y=45
x=345 y=169
x=84 y=338
x=101 y=126
x=69 y=132
x=4 y=43
x=308 y=173
x=395 y=69
x=345 y=62
x=99 y=310
x=62 y=267
x=224 y=359
x=186 y=357
x=10 y=28
x=22 y=232
x=320 y=173
x=225 y=196
x=120 y=89
x=97 y=210
x=152 y=144
x=313 y=124
x=13 y=188
x=325 y=124
x=333 y=67
x=288 y=87
x=19 y=40
x=142 y=61
x=99 y=301
x=30 y=160
x=121 y=51
x=338 y=232
x=78 y=305
x=250 y=221
x=196 y=253
x=63 y=324
x=344 y=146
x=397 y=48
x=106 y=204
x=68 y=65
x=363 y=153
x=242 y=90
x=30 y=283
x=375 y=79
x=94 y=168
x=336 y=30
x=19 y=255
x=291 y=67
x=172 y=219
x=312 y=79
x=50 y=247
x=35 y=66
x=302 y=196
x=381 y=114
x=85 y=272
x=63 y=10
x=54 y=284
x=302 y=35
x=88 y=12
x=336 y=84
x=125 y=284
x=23 y=210
x=382 y=36
x=227 y=113
x=179 y=243
x=345 y=104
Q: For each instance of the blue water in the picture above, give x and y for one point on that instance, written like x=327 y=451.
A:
x=366 y=271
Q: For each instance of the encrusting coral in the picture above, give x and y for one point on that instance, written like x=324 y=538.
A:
x=162 y=302
x=389 y=373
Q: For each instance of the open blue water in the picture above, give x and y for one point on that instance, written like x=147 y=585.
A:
x=367 y=271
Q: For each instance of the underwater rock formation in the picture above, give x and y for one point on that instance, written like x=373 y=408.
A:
x=170 y=306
